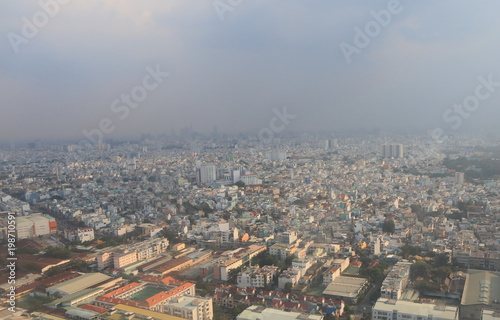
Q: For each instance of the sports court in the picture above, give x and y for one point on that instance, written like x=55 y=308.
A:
x=145 y=293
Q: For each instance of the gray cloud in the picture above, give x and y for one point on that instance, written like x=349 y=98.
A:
x=232 y=73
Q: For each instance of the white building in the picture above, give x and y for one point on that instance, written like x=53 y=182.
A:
x=122 y=256
x=256 y=277
x=192 y=308
x=330 y=275
x=459 y=177
x=290 y=275
x=341 y=263
x=375 y=245
x=263 y=313
x=236 y=173
x=207 y=173
x=281 y=250
x=82 y=235
x=387 y=309
x=302 y=265
x=250 y=179
x=289 y=237
x=33 y=226
x=396 y=281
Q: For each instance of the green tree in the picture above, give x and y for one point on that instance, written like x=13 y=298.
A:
x=33 y=303
x=28 y=250
x=373 y=274
x=441 y=273
x=172 y=237
x=289 y=260
x=240 y=184
x=408 y=250
x=57 y=253
x=222 y=313
x=206 y=208
x=79 y=265
x=130 y=277
x=419 y=269
x=388 y=226
x=31 y=266
x=265 y=259
x=237 y=310
x=441 y=260
x=233 y=274
x=57 y=295
x=288 y=287
x=53 y=271
x=366 y=316
x=416 y=208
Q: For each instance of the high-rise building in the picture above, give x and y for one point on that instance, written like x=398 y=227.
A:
x=207 y=173
x=276 y=155
x=459 y=177
x=236 y=173
x=330 y=144
x=289 y=237
x=131 y=164
x=392 y=151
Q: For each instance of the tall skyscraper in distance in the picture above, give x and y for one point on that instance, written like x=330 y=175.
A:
x=393 y=151
x=459 y=177
x=207 y=173
x=276 y=155
x=330 y=144
x=399 y=151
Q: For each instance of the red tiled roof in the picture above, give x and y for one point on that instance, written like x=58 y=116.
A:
x=356 y=263
x=91 y=307
x=157 y=298
x=121 y=290
x=162 y=296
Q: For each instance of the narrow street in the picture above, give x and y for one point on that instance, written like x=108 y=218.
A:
x=365 y=306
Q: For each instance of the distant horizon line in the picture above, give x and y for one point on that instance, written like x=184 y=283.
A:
x=321 y=134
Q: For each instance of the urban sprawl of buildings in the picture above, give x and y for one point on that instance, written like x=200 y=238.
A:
x=373 y=227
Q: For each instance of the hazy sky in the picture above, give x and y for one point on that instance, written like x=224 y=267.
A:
x=232 y=72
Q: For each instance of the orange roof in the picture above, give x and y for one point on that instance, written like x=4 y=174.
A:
x=157 y=298
x=121 y=290
x=333 y=269
x=162 y=296
x=91 y=307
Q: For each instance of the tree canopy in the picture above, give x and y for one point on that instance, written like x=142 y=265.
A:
x=388 y=226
